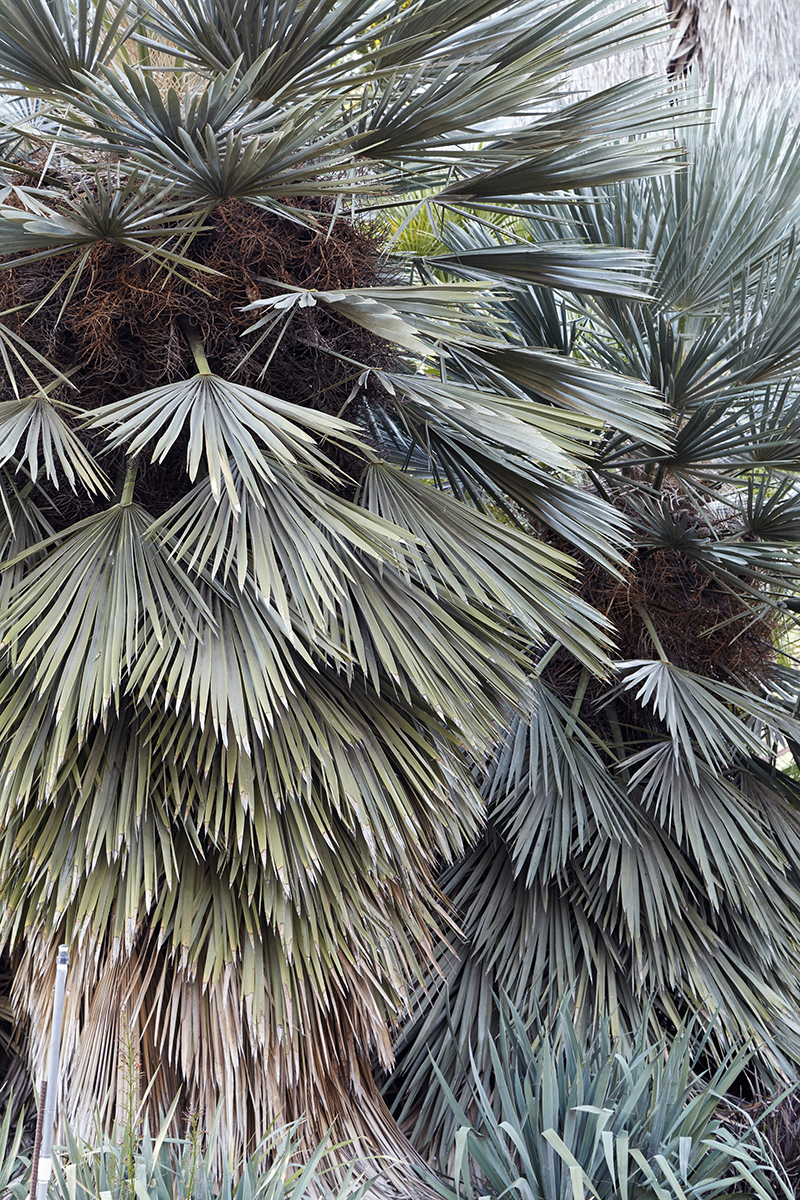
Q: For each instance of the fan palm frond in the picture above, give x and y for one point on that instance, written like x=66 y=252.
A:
x=36 y=419
x=225 y=422
x=485 y=564
x=107 y=592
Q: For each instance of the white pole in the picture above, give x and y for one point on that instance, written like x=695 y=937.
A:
x=46 y=1152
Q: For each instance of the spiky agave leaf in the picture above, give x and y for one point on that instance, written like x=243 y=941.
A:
x=616 y=1116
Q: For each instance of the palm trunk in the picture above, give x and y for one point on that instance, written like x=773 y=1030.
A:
x=744 y=43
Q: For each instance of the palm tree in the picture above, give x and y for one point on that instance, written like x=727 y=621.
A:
x=641 y=857
x=250 y=652
x=749 y=44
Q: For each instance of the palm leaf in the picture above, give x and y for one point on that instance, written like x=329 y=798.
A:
x=484 y=563
x=15 y=353
x=493 y=480
x=464 y=661
x=297 y=542
x=238 y=675
x=37 y=419
x=102 y=577
x=240 y=740
x=225 y=422
x=398 y=314
x=557 y=265
x=546 y=435
x=210 y=144
x=293 y=44
x=569 y=384
x=44 y=43
x=552 y=792
x=120 y=209
x=531 y=162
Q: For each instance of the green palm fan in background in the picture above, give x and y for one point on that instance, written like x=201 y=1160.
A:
x=251 y=648
x=641 y=854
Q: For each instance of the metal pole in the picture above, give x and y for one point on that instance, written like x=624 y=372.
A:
x=46 y=1153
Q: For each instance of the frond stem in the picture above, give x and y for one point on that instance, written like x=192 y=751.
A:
x=580 y=693
x=131 y=471
x=195 y=345
x=643 y=613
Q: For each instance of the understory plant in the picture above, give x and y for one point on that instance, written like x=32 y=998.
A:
x=608 y=1119
x=140 y=1164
